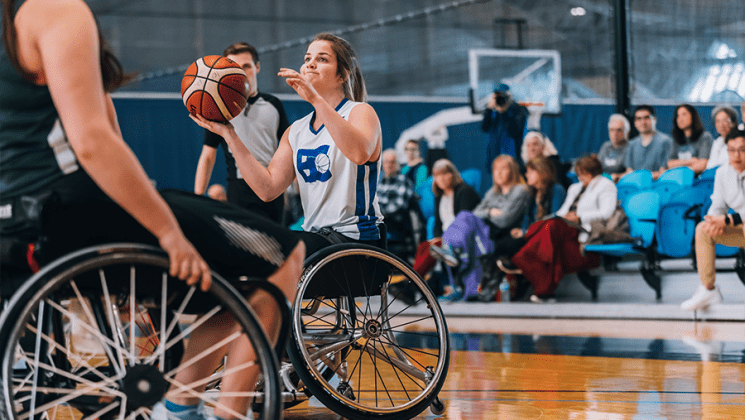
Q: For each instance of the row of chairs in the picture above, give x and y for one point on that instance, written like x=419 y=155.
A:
x=663 y=215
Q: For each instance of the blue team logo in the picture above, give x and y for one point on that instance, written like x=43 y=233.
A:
x=314 y=165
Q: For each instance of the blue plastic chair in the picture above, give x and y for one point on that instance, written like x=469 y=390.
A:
x=676 y=228
x=665 y=189
x=626 y=190
x=682 y=175
x=642 y=210
x=642 y=178
x=472 y=177
x=708 y=174
x=572 y=177
x=427 y=202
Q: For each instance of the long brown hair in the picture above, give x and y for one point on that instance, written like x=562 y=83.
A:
x=111 y=68
x=547 y=172
x=515 y=177
x=347 y=68
x=445 y=166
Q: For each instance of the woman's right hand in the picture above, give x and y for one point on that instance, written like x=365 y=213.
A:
x=221 y=129
x=185 y=262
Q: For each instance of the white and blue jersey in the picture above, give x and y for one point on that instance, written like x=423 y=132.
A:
x=335 y=192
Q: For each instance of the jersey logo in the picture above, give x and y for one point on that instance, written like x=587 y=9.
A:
x=314 y=165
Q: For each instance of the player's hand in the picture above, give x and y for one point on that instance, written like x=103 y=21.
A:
x=300 y=83
x=185 y=262
x=221 y=129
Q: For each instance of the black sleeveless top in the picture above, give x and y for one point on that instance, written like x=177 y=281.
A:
x=34 y=151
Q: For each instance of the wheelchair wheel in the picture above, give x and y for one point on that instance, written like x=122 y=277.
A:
x=100 y=334
x=387 y=359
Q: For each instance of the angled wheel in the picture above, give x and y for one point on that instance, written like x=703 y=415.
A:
x=100 y=334
x=389 y=359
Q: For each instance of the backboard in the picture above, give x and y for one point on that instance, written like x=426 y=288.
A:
x=534 y=77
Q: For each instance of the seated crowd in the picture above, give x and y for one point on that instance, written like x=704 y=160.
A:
x=531 y=225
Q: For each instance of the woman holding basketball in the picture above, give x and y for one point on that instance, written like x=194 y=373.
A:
x=60 y=146
x=334 y=152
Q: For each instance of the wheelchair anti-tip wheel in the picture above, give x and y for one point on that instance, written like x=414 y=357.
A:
x=100 y=334
x=388 y=358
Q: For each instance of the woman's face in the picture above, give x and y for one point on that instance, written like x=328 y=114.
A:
x=584 y=177
x=684 y=119
x=319 y=65
x=534 y=147
x=723 y=123
x=501 y=173
x=532 y=177
x=444 y=180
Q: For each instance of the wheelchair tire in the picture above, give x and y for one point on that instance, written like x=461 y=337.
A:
x=389 y=358
x=92 y=334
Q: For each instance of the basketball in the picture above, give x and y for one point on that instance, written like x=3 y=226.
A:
x=215 y=87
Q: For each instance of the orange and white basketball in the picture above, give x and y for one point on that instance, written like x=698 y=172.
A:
x=215 y=87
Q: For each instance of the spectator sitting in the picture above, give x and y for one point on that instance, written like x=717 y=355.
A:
x=552 y=247
x=692 y=144
x=725 y=119
x=536 y=145
x=470 y=235
x=719 y=227
x=396 y=198
x=651 y=148
x=613 y=152
x=415 y=168
x=452 y=195
x=217 y=192
x=547 y=198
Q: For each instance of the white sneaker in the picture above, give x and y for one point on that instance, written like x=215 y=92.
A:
x=702 y=299
x=536 y=299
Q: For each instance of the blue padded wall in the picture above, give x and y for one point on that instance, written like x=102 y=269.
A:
x=168 y=142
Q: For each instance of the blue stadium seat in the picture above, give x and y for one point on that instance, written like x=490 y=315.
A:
x=676 y=228
x=709 y=173
x=472 y=177
x=682 y=175
x=665 y=189
x=642 y=178
x=427 y=202
x=642 y=209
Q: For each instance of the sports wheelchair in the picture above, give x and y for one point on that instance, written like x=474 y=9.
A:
x=100 y=333
x=356 y=345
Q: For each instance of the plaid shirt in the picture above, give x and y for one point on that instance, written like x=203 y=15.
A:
x=394 y=194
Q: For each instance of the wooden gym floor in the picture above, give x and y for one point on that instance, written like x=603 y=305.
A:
x=588 y=369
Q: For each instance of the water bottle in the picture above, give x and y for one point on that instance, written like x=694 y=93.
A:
x=504 y=290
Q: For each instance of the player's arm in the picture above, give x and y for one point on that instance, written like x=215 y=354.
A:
x=268 y=183
x=360 y=138
x=204 y=169
x=69 y=64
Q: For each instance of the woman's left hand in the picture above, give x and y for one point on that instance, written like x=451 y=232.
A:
x=300 y=83
x=495 y=212
x=221 y=129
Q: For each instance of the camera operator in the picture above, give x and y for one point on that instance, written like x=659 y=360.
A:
x=505 y=121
